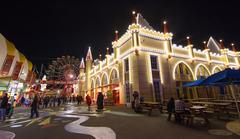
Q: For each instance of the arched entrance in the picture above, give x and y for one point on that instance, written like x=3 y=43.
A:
x=97 y=86
x=183 y=74
x=114 y=86
x=203 y=72
x=104 y=83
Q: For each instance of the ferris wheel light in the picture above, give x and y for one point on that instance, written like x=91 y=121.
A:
x=70 y=75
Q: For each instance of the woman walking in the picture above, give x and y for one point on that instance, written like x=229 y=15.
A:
x=89 y=102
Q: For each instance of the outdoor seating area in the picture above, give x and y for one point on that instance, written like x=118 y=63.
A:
x=150 y=106
x=224 y=106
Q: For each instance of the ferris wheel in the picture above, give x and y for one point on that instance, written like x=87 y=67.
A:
x=65 y=68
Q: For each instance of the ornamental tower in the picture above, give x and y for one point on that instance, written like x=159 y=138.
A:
x=81 y=78
x=89 y=61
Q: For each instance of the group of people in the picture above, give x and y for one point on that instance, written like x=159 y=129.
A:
x=6 y=106
x=177 y=107
x=50 y=101
x=100 y=101
x=3 y=106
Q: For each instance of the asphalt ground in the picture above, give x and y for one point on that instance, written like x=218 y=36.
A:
x=124 y=123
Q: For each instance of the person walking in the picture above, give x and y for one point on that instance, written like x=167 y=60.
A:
x=3 y=106
x=59 y=101
x=170 y=108
x=179 y=109
x=135 y=95
x=89 y=102
x=100 y=99
x=34 y=107
x=78 y=99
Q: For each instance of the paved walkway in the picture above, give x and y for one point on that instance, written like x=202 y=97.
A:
x=119 y=122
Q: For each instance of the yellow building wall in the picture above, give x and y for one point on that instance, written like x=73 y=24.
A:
x=151 y=43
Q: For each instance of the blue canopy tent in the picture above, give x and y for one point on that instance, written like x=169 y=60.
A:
x=225 y=77
x=194 y=83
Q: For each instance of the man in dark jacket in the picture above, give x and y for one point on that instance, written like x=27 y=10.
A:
x=3 y=106
x=100 y=102
x=34 y=109
x=170 y=107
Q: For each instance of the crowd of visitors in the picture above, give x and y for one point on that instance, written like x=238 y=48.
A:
x=42 y=102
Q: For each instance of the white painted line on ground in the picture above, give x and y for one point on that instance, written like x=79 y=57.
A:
x=6 y=135
x=96 y=132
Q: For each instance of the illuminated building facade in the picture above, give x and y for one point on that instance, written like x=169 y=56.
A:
x=147 y=61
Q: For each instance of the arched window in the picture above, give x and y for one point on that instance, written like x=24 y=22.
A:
x=216 y=70
x=114 y=76
x=104 y=79
x=202 y=72
x=183 y=73
x=97 y=82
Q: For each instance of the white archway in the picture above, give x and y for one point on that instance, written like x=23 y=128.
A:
x=97 y=82
x=198 y=67
x=103 y=80
x=176 y=65
x=215 y=68
x=92 y=83
x=114 y=74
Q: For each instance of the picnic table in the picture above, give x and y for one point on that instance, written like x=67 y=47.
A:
x=227 y=101
x=218 y=107
x=150 y=106
x=199 y=111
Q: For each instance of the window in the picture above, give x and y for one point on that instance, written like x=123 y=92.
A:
x=127 y=89
x=156 y=85
x=154 y=62
x=126 y=64
x=181 y=68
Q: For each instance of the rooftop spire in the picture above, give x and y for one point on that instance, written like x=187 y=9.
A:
x=165 y=27
x=89 y=54
x=221 y=44
x=188 y=40
x=233 y=47
x=116 y=35
x=82 y=65
x=107 y=52
x=100 y=57
x=133 y=17
x=205 y=45
x=143 y=22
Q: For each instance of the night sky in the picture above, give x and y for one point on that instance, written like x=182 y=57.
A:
x=46 y=30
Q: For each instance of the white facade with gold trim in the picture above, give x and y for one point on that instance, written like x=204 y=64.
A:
x=129 y=67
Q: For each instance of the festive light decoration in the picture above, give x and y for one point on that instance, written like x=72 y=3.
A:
x=139 y=43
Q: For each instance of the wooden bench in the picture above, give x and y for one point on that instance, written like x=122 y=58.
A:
x=108 y=103
x=149 y=106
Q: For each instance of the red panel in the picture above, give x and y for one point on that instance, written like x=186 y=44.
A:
x=29 y=76
x=17 y=70
x=7 y=65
